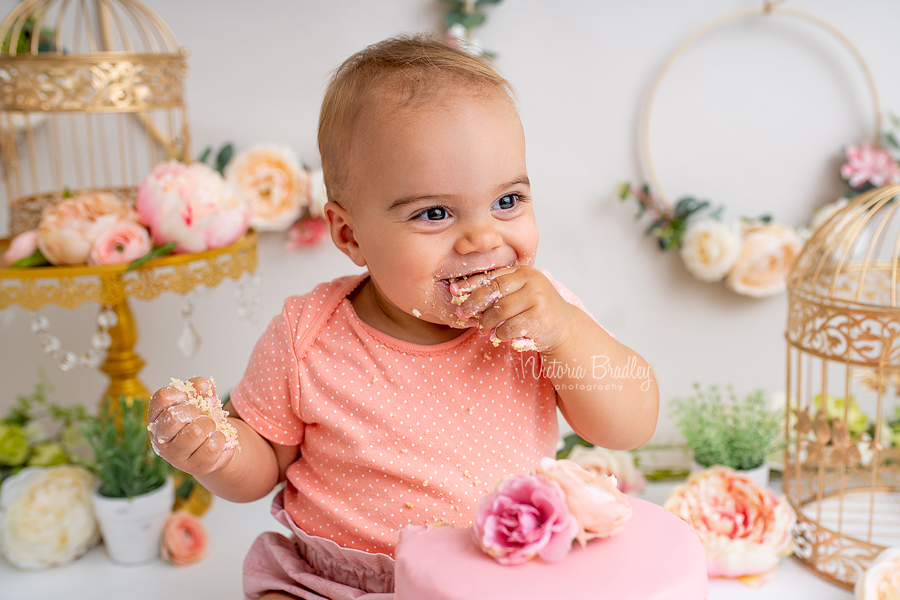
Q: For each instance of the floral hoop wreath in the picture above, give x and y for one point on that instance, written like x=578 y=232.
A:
x=753 y=255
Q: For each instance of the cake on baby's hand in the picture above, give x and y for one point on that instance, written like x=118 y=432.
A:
x=211 y=407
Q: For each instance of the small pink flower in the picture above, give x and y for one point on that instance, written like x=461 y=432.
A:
x=306 y=233
x=21 y=246
x=122 y=242
x=184 y=539
x=868 y=163
x=524 y=517
x=600 y=509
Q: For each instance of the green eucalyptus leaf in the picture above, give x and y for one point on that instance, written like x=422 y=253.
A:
x=155 y=253
x=453 y=17
x=223 y=157
x=891 y=140
x=37 y=259
x=486 y=2
x=472 y=21
x=204 y=156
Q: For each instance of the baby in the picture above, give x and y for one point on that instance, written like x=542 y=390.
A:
x=395 y=397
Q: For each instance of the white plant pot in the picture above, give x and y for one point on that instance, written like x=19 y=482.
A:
x=759 y=474
x=132 y=528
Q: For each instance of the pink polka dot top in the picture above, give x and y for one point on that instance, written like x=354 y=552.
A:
x=390 y=433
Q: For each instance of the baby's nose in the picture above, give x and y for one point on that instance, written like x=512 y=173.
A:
x=478 y=237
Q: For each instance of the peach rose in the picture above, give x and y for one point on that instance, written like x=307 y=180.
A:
x=881 y=581
x=123 y=242
x=272 y=179
x=766 y=257
x=744 y=527
x=184 y=539
x=68 y=229
x=600 y=509
x=21 y=246
x=600 y=461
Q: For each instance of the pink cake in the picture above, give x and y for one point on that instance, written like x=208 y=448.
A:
x=656 y=556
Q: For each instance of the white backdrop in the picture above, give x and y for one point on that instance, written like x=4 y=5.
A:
x=752 y=117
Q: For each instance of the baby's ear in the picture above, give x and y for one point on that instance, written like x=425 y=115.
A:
x=343 y=233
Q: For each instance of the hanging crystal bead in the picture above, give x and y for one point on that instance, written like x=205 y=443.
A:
x=101 y=340
x=189 y=340
x=39 y=324
x=67 y=361
x=50 y=344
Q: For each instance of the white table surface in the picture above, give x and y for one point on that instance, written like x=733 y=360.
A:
x=232 y=529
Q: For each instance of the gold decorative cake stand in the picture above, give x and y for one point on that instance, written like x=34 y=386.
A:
x=112 y=286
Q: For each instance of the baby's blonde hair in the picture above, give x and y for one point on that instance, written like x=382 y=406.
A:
x=405 y=70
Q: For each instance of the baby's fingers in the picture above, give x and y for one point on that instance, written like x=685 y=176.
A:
x=211 y=455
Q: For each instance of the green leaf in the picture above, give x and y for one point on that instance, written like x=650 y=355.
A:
x=891 y=140
x=155 y=253
x=765 y=219
x=486 y=2
x=569 y=442
x=472 y=21
x=453 y=17
x=67 y=193
x=37 y=259
x=223 y=157
x=623 y=190
x=204 y=156
x=455 y=3
x=717 y=214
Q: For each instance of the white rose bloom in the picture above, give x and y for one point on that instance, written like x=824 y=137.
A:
x=46 y=516
x=822 y=215
x=881 y=581
x=710 y=248
x=317 y=194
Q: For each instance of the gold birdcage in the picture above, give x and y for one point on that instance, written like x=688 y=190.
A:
x=91 y=98
x=841 y=471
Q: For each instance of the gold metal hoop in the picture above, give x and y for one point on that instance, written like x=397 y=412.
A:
x=766 y=9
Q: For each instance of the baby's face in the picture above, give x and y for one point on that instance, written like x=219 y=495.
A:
x=439 y=192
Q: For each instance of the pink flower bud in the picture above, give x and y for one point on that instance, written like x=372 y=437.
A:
x=21 y=246
x=123 y=242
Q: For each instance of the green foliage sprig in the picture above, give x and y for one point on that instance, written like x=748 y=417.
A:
x=727 y=431
x=123 y=459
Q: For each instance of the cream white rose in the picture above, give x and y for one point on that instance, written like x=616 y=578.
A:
x=710 y=248
x=317 y=194
x=600 y=461
x=272 y=179
x=881 y=581
x=822 y=215
x=767 y=254
x=46 y=516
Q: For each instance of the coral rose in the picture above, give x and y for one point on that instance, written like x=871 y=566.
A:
x=602 y=462
x=881 y=581
x=272 y=179
x=21 y=246
x=68 y=229
x=122 y=242
x=184 y=539
x=192 y=206
x=866 y=163
x=743 y=526
x=766 y=257
x=525 y=516
x=306 y=233
x=600 y=509
x=710 y=248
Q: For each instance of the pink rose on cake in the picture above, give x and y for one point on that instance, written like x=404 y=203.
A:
x=600 y=461
x=743 y=526
x=21 y=246
x=122 y=242
x=276 y=185
x=881 y=581
x=192 y=206
x=68 y=230
x=525 y=516
x=599 y=507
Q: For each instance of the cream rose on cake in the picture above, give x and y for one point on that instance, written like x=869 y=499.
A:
x=881 y=581
x=743 y=526
x=710 y=248
x=68 y=229
x=275 y=184
x=46 y=517
x=767 y=254
x=602 y=462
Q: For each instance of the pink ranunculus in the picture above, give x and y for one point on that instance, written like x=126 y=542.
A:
x=600 y=461
x=122 y=242
x=744 y=527
x=192 y=206
x=599 y=507
x=21 y=246
x=866 y=163
x=68 y=229
x=525 y=516
x=184 y=539
x=306 y=233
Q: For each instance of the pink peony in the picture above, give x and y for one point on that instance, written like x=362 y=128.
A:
x=192 y=206
x=273 y=180
x=122 y=242
x=525 y=516
x=21 y=246
x=600 y=509
x=68 y=229
x=184 y=539
x=868 y=163
x=306 y=233
x=744 y=527
x=600 y=461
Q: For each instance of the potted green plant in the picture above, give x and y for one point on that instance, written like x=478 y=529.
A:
x=135 y=494
x=737 y=433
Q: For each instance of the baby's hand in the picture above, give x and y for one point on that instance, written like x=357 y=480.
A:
x=183 y=434
x=518 y=304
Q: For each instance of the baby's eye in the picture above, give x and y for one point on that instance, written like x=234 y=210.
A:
x=506 y=202
x=435 y=213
